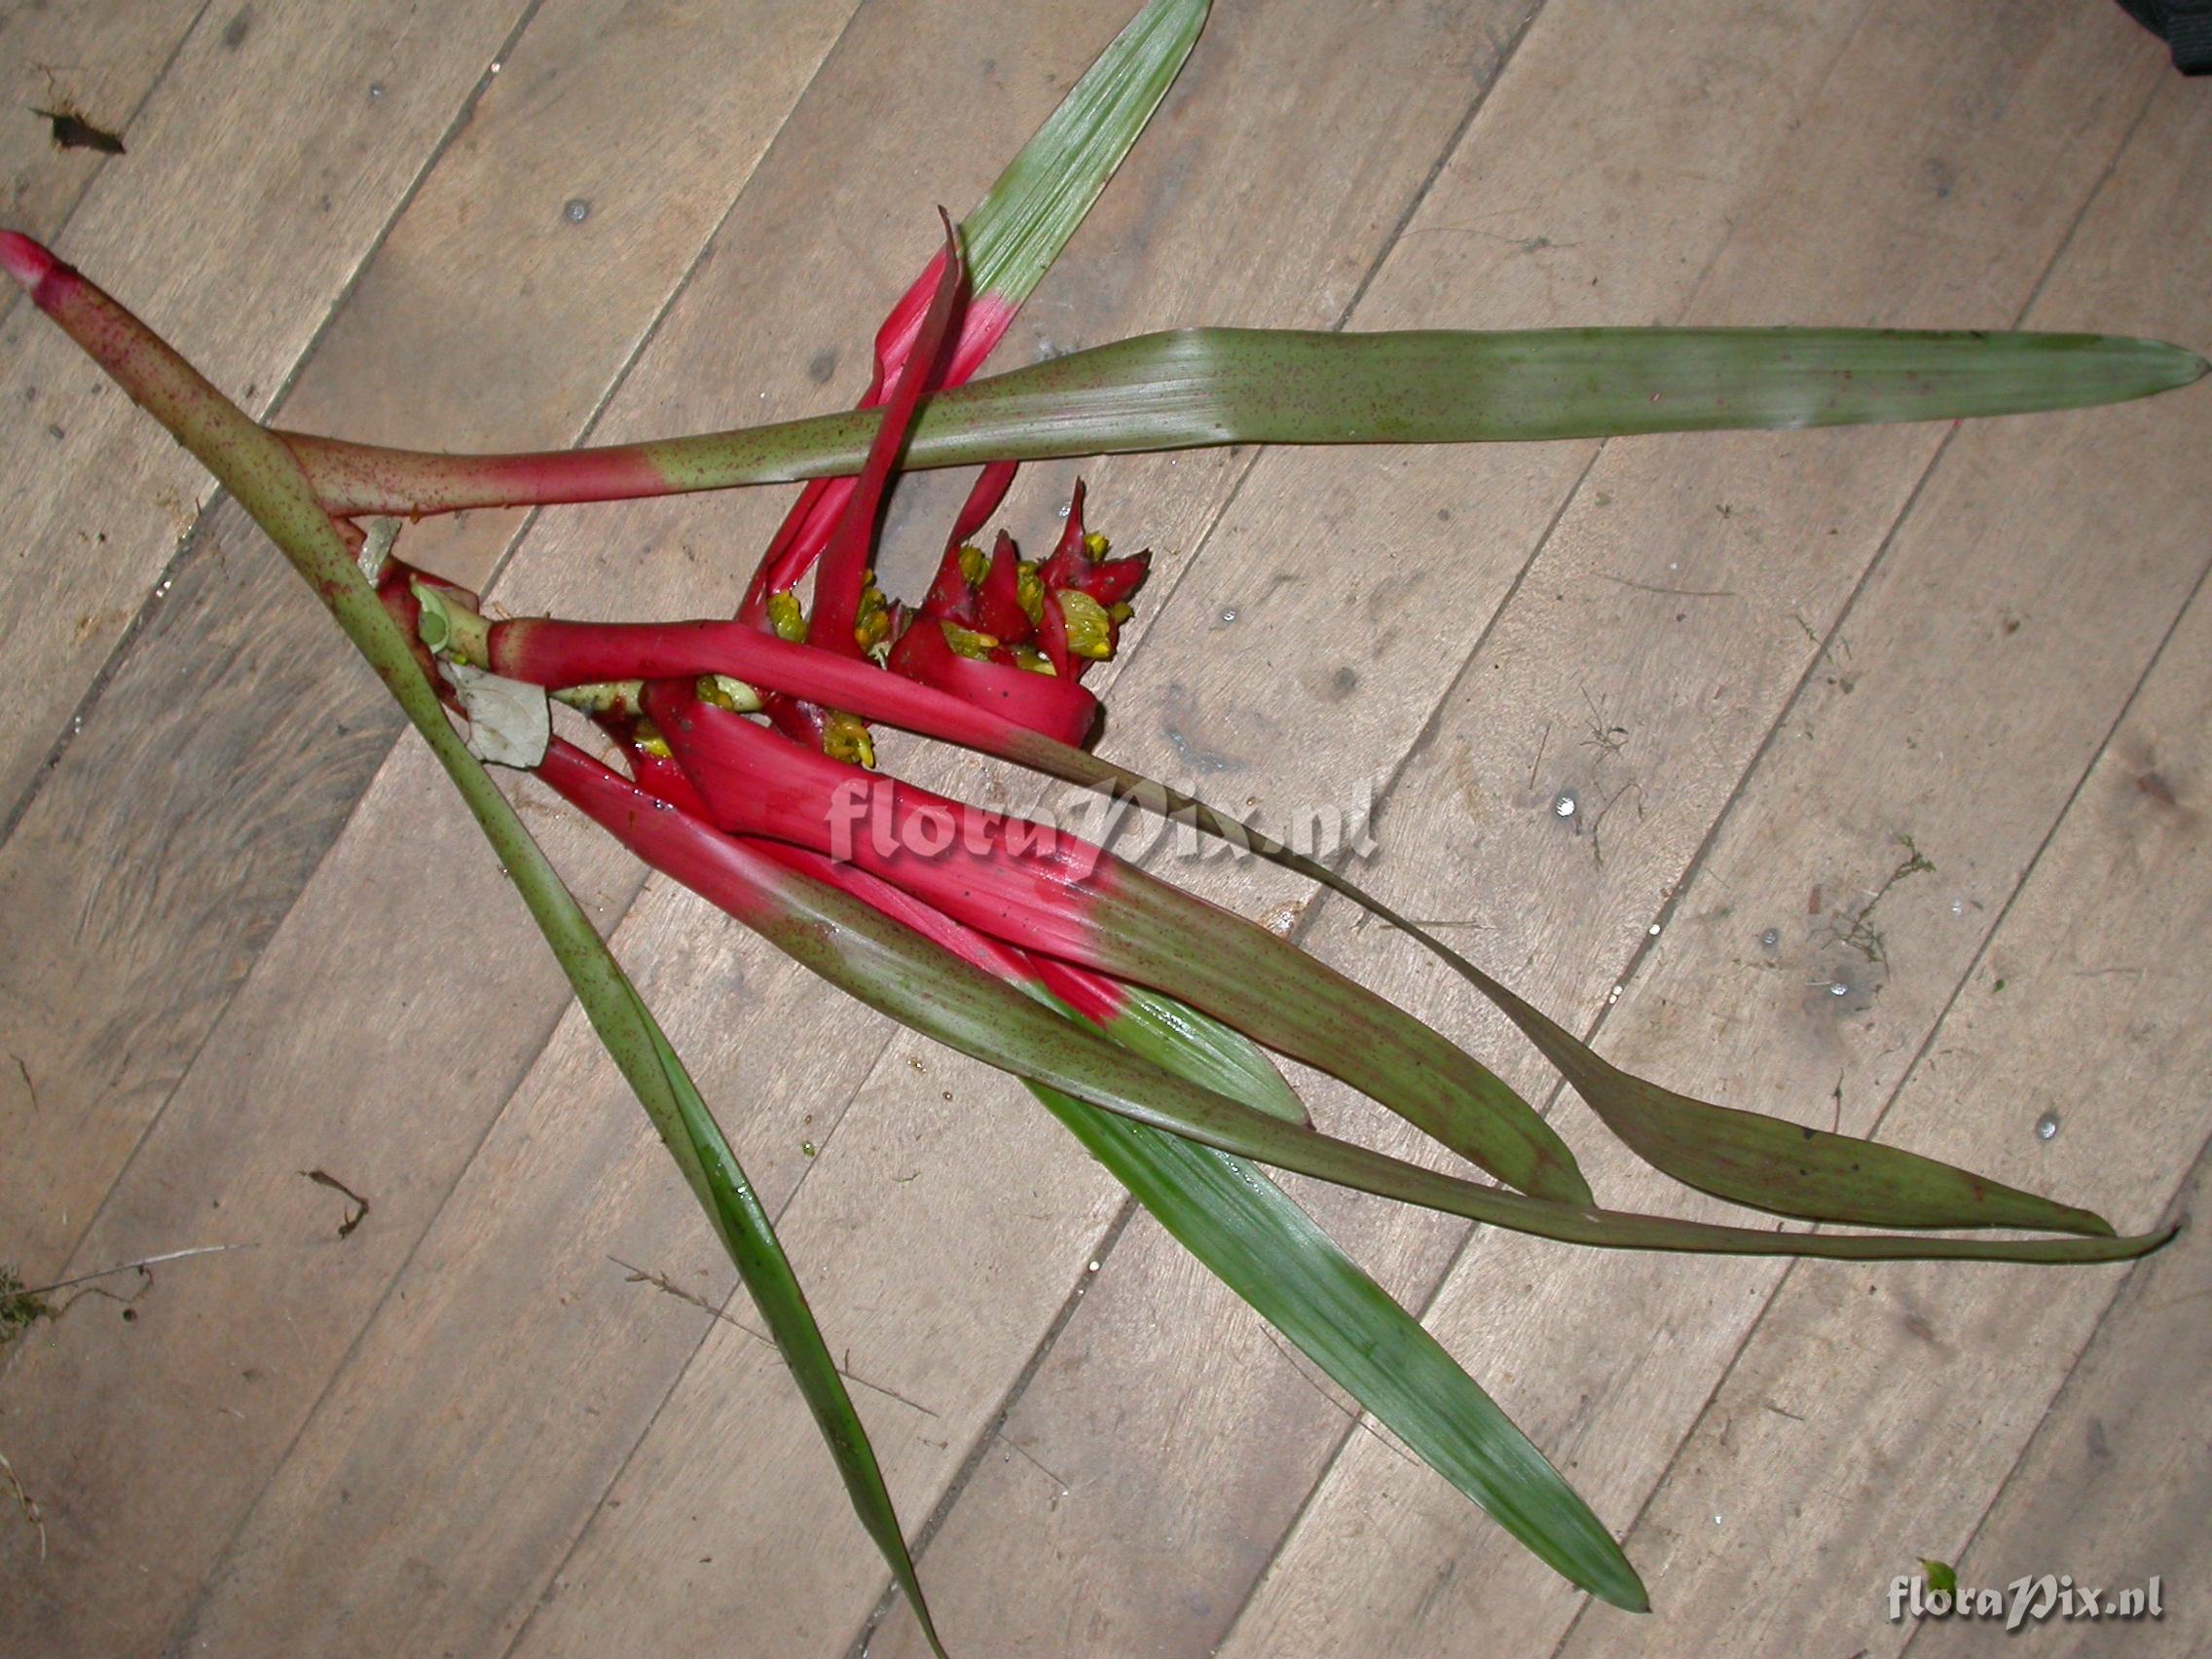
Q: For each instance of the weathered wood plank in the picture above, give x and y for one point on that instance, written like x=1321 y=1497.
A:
x=155 y=882
x=1144 y=267
x=1102 y=1401
x=233 y=735
x=261 y=172
x=1935 y=724
x=1921 y=1394
x=640 y=1203
x=2116 y=1485
x=1911 y=1394
x=1176 y=1504
x=96 y=61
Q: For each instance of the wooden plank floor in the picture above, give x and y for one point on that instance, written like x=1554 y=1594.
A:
x=1768 y=668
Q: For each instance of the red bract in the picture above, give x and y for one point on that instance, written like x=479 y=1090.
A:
x=1078 y=562
x=1056 y=617
x=806 y=529
x=1048 y=702
x=845 y=561
x=1037 y=887
x=956 y=699
x=995 y=606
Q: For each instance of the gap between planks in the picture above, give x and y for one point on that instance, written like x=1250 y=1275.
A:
x=507 y=547
x=2027 y=870
x=1102 y=1252
x=2153 y=655
x=2084 y=196
x=1928 y=1042
x=1428 y=733
x=187 y=544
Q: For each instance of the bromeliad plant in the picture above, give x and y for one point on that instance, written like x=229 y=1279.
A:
x=738 y=758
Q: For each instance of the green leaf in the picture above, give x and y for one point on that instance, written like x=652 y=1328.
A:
x=1019 y=227
x=1257 y=1240
x=750 y=1237
x=256 y=469
x=1204 y=1051
x=1745 y=1156
x=1058 y=897
x=895 y=971
x=1149 y=930
x=1200 y=387
x=1768 y=1164
x=1216 y=385
x=1260 y=1243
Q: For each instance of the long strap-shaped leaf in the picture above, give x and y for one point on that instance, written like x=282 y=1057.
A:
x=1251 y=1235
x=1018 y=229
x=845 y=561
x=258 y=470
x=1011 y=237
x=1263 y=1245
x=1058 y=894
x=894 y=970
x=1746 y=1156
x=1203 y=1050
x=1200 y=387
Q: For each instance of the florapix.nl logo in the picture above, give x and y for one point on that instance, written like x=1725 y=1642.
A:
x=875 y=821
x=1936 y=1593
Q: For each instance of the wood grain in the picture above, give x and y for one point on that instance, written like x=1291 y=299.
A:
x=1171 y=168
x=96 y=61
x=261 y=172
x=1179 y=1487
x=1913 y=1394
x=1935 y=1385
x=1202 y=159
x=2115 y=1486
x=1932 y=724
x=463 y=1428
x=209 y=810
x=231 y=739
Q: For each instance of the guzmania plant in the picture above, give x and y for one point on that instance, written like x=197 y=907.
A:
x=739 y=758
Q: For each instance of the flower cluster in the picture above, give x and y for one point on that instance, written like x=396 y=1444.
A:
x=1056 y=617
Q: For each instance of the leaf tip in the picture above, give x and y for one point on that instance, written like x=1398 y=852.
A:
x=1624 y=1590
x=1558 y=1179
x=2090 y=1225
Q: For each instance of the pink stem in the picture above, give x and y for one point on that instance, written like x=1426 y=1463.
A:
x=844 y=562
x=725 y=870
x=1025 y=883
x=543 y=651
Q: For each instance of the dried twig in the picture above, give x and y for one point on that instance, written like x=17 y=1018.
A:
x=28 y=1503
x=325 y=1178
x=140 y=1266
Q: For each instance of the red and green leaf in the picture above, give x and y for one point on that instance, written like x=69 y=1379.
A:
x=1202 y=386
